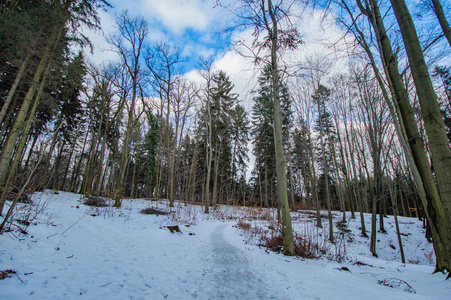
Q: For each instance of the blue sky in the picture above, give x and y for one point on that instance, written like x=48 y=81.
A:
x=193 y=26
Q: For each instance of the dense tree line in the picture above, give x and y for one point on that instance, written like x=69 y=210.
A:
x=374 y=138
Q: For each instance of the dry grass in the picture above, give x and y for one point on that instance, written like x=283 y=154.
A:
x=6 y=274
x=256 y=213
x=302 y=247
x=243 y=225
x=430 y=257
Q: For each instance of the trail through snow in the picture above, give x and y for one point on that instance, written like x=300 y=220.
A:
x=73 y=251
x=232 y=275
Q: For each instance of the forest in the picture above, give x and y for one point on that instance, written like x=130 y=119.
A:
x=365 y=131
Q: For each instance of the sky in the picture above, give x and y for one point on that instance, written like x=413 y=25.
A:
x=193 y=26
x=197 y=28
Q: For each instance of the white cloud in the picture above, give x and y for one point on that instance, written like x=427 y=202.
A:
x=242 y=72
x=101 y=49
x=179 y=15
x=318 y=33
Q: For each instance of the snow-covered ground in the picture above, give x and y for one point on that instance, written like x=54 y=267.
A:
x=72 y=251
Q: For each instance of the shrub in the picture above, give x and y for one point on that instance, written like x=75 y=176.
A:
x=153 y=211
x=96 y=202
x=6 y=274
x=26 y=199
x=243 y=225
x=397 y=283
x=302 y=248
x=274 y=243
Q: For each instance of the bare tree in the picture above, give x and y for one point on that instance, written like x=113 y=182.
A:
x=128 y=42
x=432 y=118
x=402 y=114
x=266 y=17
x=162 y=63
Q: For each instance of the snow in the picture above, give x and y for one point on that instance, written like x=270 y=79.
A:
x=74 y=251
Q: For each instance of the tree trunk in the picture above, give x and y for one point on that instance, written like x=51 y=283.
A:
x=16 y=130
x=216 y=174
x=326 y=175
x=22 y=190
x=192 y=176
x=314 y=183
x=438 y=11
x=66 y=172
x=13 y=88
x=358 y=192
x=373 y=218
x=292 y=187
x=350 y=190
x=30 y=153
x=434 y=125
x=21 y=147
x=337 y=174
x=47 y=157
x=395 y=215
x=287 y=231
x=76 y=173
x=424 y=180
x=99 y=173
x=209 y=148
x=55 y=178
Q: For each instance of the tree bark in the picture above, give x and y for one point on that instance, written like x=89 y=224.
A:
x=10 y=144
x=326 y=174
x=12 y=170
x=438 y=11
x=13 y=88
x=424 y=179
x=287 y=231
x=433 y=123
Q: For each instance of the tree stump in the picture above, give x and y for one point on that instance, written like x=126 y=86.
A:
x=173 y=229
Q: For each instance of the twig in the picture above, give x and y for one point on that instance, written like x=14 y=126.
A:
x=73 y=224
x=18 y=277
x=52 y=235
x=9 y=234
x=106 y=284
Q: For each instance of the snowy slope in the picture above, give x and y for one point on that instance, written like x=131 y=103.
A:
x=73 y=251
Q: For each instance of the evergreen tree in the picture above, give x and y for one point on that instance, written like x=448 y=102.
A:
x=263 y=132
x=321 y=96
x=239 y=134
x=152 y=145
x=324 y=124
x=301 y=156
x=229 y=139
x=221 y=109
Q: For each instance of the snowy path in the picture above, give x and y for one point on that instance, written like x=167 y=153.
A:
x=75 y=252
x=232 y=275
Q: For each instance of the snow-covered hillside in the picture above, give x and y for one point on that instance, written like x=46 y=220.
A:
x=73 y=251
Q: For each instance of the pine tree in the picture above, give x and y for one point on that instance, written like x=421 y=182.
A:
x=239 y=134
x=263 y=133
x=221 y=110
x=152 y=145
x=321 y=96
